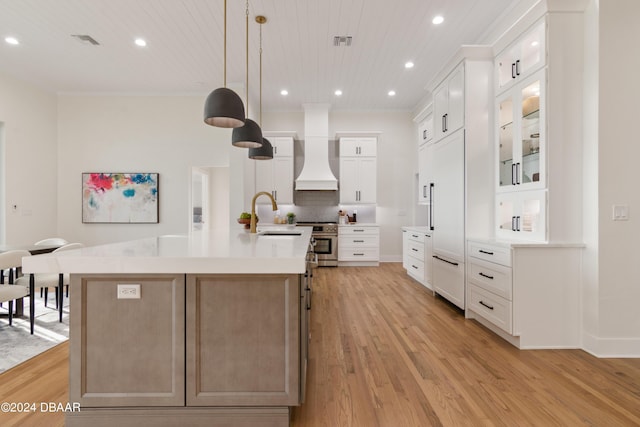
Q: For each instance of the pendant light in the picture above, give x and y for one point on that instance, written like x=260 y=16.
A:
x=249 y=135
x=266 y=151
x=223 y=107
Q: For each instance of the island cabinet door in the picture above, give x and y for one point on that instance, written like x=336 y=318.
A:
x=243 y=340
x=127 y=340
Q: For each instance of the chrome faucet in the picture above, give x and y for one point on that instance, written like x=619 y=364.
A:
x=274 y=205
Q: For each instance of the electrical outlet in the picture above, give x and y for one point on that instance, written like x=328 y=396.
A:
x=128 y=291
x=620 y=212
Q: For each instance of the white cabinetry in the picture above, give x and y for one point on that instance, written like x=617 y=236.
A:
x=527 y=293
x=358 y=245
x=525 y=55
x=275 y=176
x=425 y=173
x=448 y=104
x=425 y=130
x=417 y=254
x=358 y=170
x=538 y=108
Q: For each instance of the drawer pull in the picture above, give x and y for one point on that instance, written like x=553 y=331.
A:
x=414 y=266
x=358 y=241
x=358 y=230
x=486 y=305
x=485 y=252
x=448 y=262
x=414 y=235
x=414 y=249
x=358 y=254
x=486 y=275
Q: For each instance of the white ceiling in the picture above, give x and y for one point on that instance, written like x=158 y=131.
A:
x=185 y=47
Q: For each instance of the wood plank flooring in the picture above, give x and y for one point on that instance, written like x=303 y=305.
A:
x=385 y=352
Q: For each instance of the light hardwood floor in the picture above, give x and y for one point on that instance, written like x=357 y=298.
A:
x=385 y=352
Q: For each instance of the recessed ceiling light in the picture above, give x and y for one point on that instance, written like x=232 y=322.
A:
x=338 y=92
x=141 y=42
x=284 y=92
x=437 y=20
x=408 y=64
x=11 y=40
x=392 y=93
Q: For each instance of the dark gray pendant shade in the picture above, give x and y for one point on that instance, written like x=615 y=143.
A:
x=247 y=136
x=224 y=109
x=262 y=153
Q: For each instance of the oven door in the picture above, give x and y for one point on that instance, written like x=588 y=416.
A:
x=326 y=249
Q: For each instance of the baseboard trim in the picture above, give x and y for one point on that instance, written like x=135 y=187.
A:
x=611 y=347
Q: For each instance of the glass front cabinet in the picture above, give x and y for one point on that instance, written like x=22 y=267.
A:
x=521 y=135
x=522 y=215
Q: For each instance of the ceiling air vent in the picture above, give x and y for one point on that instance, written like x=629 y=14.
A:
x=86 y=39
x=342 y=41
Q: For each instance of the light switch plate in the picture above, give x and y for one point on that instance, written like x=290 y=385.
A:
x=128 y=291
x=620 y=212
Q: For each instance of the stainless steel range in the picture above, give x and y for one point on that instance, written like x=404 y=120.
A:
x=326 y=237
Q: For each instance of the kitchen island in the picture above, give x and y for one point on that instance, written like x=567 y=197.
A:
x=209 y=328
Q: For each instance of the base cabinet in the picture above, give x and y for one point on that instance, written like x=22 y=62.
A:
x=417 y=254
x=529 y=294
x=216 y=349
x=358 y=245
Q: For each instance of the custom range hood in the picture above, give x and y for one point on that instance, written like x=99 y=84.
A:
x=316 y=173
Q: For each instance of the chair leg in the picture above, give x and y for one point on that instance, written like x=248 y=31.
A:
x=32 y=303
x=10 y=313
x=61 y=292
x=67 y=287
x=46 y=296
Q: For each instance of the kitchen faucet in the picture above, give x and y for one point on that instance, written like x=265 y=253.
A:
x=274 y=205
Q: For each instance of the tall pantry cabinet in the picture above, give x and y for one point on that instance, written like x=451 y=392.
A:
x=459 y=181
x=525 y=284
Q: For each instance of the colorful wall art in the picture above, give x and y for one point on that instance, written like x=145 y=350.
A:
x=130 y=198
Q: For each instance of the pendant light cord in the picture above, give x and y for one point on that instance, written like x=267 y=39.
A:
x=260 y=75
x=247 y=45
x=225 y=44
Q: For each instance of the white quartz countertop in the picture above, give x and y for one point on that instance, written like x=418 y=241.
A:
x=229 y=251
x=417 y=228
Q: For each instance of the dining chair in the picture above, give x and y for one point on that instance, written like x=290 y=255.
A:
x=11 y=291
x=58 y=281
x=51 y=241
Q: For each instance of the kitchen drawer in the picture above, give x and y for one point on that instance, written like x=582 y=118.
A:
x=353 y=230
x=358 y=241
x=416 y=249
x=493 y=253
x=358 y=254
x=493 y=277
x=416 y=268
x=493 y=308
x=416 y=237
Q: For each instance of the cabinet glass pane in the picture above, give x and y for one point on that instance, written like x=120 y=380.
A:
x=532 y=50
x=506 y=141
x=506 y=215
x=531 y=216
x=530 y=133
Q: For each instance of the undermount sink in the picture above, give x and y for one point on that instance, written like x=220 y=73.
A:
x=280 y=233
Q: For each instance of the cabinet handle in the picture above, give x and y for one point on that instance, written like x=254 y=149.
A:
x=444 y=260
x=518 y=67
x=358 y=254
x=518 y=166
x=485 y=275
x=444 y=129
x=415 y=235
x=486 y=305
x=414 y=266
x=275 y=150
x=513 y=70
x=513 y=174
x=358 y=230
x=446 y=122
x=513 y=223
x=431 y=186
x=424 y=134
x=424 y=191
x=275 y=195
x=482 y=251
x=358 y=241
x=518 y=223
x=414 y=249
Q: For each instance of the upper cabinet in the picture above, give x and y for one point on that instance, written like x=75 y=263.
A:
x=275 y=176
x=425 y=130
x=358 y=147
x=521 y=58
x=448 y=104
x=358 y=170
x=521 y=135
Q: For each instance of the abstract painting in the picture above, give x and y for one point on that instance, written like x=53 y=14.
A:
x=130 y=198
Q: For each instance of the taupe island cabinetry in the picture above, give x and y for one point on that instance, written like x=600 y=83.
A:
x=205 y=329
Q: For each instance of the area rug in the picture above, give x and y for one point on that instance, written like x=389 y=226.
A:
x=16 y=342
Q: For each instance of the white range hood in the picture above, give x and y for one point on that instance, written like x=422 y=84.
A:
x=316 y=173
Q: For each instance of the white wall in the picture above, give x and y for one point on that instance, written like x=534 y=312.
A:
x=29 y=162
x=618 y=152
x=164 y=134
x=397 y=164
